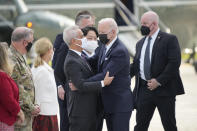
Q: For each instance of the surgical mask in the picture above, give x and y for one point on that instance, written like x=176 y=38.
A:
x=145 y=30
x=80 y=40
x=103 y=38
x=90 y=46
x=28 y=47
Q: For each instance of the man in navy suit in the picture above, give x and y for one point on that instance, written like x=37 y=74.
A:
x=83 y=19
x=156 y=69
x=113 y=56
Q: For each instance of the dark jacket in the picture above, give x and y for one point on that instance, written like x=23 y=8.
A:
x=165 y=63
x=82 y=102
x=61 y=50
x=117 y=97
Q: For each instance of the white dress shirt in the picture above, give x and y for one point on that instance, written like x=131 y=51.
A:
x=79 y=53
x=110 y=44
x=154 y=36
x=45 y=89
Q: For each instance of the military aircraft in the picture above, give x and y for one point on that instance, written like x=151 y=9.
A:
x=44 y=23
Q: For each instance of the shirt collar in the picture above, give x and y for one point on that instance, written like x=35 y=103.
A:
x=47 y=66
x=110 y=44
x=155 y=34
x=79 y=53
x=89 y=55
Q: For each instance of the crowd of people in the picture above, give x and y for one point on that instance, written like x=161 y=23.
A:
x=90 y=78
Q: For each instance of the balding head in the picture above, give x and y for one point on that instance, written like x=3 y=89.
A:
x=107 y=27
x=150 y=19
x=151 y=16
x=110 y=24
x=22 y=38
x=21 y=33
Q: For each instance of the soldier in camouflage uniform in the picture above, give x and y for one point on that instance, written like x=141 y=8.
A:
x=21 y=44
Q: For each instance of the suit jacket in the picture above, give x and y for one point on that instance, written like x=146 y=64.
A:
x=117 y=97
x=165 y=63
x=61 y=50
x=82 y=102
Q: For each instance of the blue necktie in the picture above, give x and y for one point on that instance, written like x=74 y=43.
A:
x=147 y=61
x=103 y=55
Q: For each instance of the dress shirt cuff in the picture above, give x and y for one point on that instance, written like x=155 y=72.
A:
x=59 y=86
x=102 y=84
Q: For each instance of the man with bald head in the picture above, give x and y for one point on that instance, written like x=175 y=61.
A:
x=156 y=69
x=117 y=98
x=22 y=39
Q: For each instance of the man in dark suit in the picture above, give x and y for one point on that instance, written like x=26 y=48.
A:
x=113 y=57
x=156 y=67
x=60 y=52
x=82 y=103
x=83 y=19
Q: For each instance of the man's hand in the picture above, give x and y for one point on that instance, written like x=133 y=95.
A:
x=153 y=84
x=36 y=110
x=107 y=80
x=61 y=93
x=72 y=87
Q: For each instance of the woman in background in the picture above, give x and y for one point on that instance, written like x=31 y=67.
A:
x=45 y=87
x=10 y=111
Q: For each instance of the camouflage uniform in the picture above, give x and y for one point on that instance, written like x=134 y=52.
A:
x=23 y=77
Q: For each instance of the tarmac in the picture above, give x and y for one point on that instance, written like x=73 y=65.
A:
x=186 y=105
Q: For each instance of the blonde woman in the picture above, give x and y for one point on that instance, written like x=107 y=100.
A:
x=10 y=111
x=45 y=87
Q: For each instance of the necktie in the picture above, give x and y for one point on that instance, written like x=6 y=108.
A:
x=83 y=55
x=147 y=61
x=103 y=55
x=84 y=58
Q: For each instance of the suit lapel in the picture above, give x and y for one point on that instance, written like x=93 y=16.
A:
x=156 y=43
x=110 y=50
x=81 y=60
x=140 y=48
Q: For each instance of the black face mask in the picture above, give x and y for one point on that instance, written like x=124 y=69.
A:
x=28 y=47
x=145 y=30
x=103 y=38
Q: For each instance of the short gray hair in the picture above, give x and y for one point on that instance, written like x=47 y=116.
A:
x=112 y=23
x=70 y=33
x=80 y=17
x=21 y=33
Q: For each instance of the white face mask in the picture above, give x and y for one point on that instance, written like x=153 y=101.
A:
x=89 y=46
x=83 y=40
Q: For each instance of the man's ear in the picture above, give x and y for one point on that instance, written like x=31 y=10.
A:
x=72 y=40
x=24 y=43
x=113 y=32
